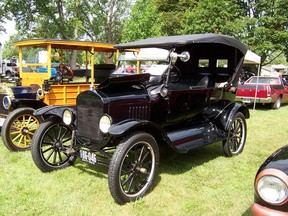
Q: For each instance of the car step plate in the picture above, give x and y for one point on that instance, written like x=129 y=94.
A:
x=88 y=156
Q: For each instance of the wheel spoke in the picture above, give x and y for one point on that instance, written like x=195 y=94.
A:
x=46 y=150
x=15 y=138
x=127 y=179
x=59 y=155
x=141 y=152
x=130 y=184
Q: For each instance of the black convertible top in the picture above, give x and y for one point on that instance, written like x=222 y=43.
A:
x=169 y=42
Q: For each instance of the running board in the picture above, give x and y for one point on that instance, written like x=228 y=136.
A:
x=193 y=137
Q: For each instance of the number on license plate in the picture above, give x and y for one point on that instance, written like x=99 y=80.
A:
x=88 y=156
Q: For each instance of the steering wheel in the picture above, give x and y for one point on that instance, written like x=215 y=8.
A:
x=175 y=74
x=66 y=71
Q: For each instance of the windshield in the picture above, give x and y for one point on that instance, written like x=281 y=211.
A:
x=149 y=60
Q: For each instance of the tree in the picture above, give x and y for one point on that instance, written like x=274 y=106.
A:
x=98 y=20
x=221 y=16
x=267 y=28
x=143 y=22
x=172 y=14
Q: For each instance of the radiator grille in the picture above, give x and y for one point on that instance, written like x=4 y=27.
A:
x=89 y=111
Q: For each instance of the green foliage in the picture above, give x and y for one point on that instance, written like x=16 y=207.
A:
x=214 y=17
x=143 y=22
x=9 y=50
x=267 y=28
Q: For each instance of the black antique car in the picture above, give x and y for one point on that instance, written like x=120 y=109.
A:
x=271 y=185
x=126 y=121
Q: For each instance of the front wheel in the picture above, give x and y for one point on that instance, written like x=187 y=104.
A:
x=133 y=168
x=236 y=136
x=18 y=129
x=49 y=145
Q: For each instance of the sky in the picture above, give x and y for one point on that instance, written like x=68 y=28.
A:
x=10 y=30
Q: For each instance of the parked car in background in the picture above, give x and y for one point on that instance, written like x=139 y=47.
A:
x=128 y=118
x=270 y=90
x=46 y=80
x=9 y=70
x=271 y=185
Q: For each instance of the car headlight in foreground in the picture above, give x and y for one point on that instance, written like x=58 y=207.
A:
x=67 y=117
x=271 y=185
x=105 y=123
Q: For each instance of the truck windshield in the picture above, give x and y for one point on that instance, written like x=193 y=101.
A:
x=265 y=80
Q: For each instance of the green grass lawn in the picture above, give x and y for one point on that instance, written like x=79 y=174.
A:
x=202 y=182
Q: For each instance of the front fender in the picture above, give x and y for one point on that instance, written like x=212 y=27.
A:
x=52 y=110
x=125 y=127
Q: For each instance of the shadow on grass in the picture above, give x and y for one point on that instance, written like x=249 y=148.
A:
x=96 y=170
x=175 y=163
x=170 y=162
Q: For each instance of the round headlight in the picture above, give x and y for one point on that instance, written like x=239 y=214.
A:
x=272 y=189
x=105 y=123
x=67 y=117
x=7 y=102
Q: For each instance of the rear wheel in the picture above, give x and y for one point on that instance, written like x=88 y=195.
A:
x=277 y=103
x=18 y=129
x=133 y=168
x=49 y=145
x=236 y=136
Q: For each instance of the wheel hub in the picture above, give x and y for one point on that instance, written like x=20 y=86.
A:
x=24 y=131
x=57 y=144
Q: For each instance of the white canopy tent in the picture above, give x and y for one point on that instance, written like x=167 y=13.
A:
x=252 y=58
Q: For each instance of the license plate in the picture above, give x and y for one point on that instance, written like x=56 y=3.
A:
x=2 y=121
x=88 y=156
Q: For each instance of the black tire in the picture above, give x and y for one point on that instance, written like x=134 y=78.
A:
x=236 y=136
x=133 y=168
x=8 y=74
x=18 y=129
x=277 y=103
x=49 y=145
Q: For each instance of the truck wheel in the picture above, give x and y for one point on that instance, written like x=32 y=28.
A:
x=49 y=145
x=8 y=74
x=133 y=168
x=277 y=103
x=236 y=136
x=18 y=129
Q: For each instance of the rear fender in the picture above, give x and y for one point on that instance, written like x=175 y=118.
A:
x=53 y=111
x=225 y=119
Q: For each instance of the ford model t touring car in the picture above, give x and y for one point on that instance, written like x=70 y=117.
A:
x=125 y=121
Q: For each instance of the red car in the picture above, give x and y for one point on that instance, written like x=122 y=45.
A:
x=270 y=90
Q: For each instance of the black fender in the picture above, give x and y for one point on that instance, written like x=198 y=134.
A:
x=53 y=111
x=224 y=119
x=128 y=126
